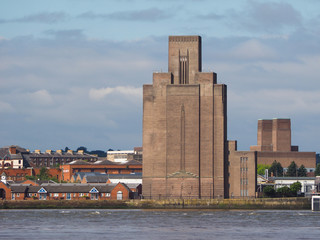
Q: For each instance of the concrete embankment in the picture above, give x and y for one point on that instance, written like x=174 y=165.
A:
x=259 y=203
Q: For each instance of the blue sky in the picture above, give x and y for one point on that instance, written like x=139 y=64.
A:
x=71 y=71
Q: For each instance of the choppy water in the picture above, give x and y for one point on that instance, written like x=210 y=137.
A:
x=160 y=224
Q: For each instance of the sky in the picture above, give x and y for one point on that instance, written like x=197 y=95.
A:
x=72 y=71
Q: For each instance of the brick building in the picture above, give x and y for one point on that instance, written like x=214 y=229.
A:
x=102 y=166
x=274 y=144
x=185 y=147
x=13 y=157
x=51 y=158
x=20 y=174
x=65 y=191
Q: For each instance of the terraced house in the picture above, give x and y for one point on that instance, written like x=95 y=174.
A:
x=66 y=191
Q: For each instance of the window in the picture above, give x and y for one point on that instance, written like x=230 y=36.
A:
x=119 y=195
x=108 y=195
x=81 y=194
x=56 y=194
x=18 y=194
x=13 y=197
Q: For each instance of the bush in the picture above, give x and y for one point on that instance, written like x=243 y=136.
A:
x=284 y=191
x=295 y=187
x=317 y=171
x=269 y=191
x=261 y=168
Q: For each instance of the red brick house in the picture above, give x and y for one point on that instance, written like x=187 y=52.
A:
x=64 y=191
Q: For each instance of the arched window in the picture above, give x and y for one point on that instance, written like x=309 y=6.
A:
x=119 y=195
x=7 y=165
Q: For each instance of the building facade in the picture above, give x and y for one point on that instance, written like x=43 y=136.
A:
x=274 y=144
x=242 y=172
x=185 y=128
x=13 y=157
x=51 y=158
x=101 y=166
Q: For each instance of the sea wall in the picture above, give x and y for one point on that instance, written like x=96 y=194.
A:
x=258 y=203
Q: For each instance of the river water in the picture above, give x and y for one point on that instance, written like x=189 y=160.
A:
x=158 y=224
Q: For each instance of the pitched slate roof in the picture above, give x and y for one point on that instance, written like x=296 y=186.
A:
x=83 y=174
x=133 y=185
x=133 y=162
x=19 y=188
x=96 y=179
x=79 y=162
x=104 y=162
x=5 y=152
x=125 y=176
x=72 y=188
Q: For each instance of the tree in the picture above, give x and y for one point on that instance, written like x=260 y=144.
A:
x=302 y=171
x=66 y=149
x=85 y=150
x=99 y=153
x=30 y=177
x=295 y=188
x=317 y=171
x=269 y=191
x=276 y=169
x=261 y=168
x=284 y=191
x=292 y=170
x=44 y=174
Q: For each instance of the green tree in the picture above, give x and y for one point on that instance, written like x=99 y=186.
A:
x=317 y=171
x=44 y=174
x=295 y=188
x=30 y=177
x=261 y=168
x=302 y=171
x=85 y=150
x=268 y=191
x=276 y=169
x=292 y=170
x=284 y=191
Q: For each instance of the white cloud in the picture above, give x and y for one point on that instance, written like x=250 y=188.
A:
x=98 y=94
x=252 y=49
x=41 y=97
x=273 y=103
x=6 y=107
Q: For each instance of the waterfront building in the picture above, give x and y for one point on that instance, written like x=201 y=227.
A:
x=51 y=158
x=274 y=144
x=185 y=147
x=65 y=191
x=13 y=157
x=101 y=166
x=14 y=175
x=308 y=184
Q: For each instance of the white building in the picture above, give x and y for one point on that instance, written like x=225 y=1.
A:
x=119 y=156
x=307 y=183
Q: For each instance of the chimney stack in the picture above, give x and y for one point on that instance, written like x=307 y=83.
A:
x=12 y=150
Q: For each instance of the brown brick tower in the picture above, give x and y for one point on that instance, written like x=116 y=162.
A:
x=185 y=128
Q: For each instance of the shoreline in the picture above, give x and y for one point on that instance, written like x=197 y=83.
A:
x=244 y=204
